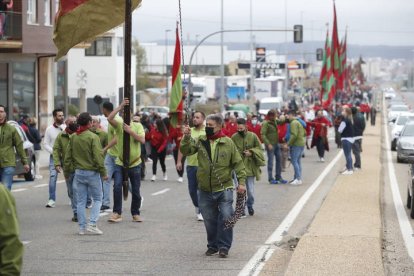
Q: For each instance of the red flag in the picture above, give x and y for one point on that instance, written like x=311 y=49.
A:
x=324 y=71
x=343 y=58
x=176 y=100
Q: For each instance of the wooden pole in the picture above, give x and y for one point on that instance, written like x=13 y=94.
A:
x=127 y=93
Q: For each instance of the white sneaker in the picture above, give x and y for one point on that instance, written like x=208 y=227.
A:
x=200 y=217
x=38 y=176
x=356 y=169
x=153 y=178
x=295 y=182
x=322 y=159
x=180 y=179
x=93 y=229
x=348 y=172
x=51 y=204
x=165 y=177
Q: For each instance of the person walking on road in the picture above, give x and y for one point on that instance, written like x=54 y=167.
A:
x=60 y=148
x=136 y=139
x=250 y=149
x=49 y=140
x=270 y=138
x=11 y=248
x=84 y=159
x=176 y=134
x=297 y=146
x=373 y=115
x=359 y=127
x=36 y=139
x=320 y=134
x=197 y=131
x=217 y=158
x=10 y=141
x=346 y=130
x=158 y=136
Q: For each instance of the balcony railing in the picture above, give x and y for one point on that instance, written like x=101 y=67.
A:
x=11 y=25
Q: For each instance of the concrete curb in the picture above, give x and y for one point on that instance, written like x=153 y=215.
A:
x=346 y=235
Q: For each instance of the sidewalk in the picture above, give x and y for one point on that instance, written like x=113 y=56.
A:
x=345 y=237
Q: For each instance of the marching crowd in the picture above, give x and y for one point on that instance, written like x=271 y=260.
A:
x=220 y=156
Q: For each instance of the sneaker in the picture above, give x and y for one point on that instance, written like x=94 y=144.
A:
x=75 y=218
x=250 y=210
x=180 y=179
x=223 y=253
x=153 y=178
x=200 y=217
x=165 y=177
x=281 y=181
x=81 y=232
x=322 y=160
x=38 y=176
x=89 y=205
x=357 y=169
x=347 y=172
x=243 y=215
x=115 y=217
x=295 y=182
x=104 y=208
x=136 y=218
x=50 y=204
x=211 y=252
x=93 y=229
x=149 y=160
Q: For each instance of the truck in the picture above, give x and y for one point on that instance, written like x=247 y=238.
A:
x=213 y=87
x=268 y=87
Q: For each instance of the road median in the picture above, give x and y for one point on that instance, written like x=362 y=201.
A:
x=346 y=235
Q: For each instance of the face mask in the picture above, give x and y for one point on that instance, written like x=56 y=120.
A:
x=254 y=122
x=73 y=127
x=242 y=133
x=209 y=131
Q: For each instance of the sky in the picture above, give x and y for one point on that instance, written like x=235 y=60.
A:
x=369 y=22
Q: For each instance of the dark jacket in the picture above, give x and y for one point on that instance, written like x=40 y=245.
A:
x=348 y=132
x=359 y=124
x=34 y=136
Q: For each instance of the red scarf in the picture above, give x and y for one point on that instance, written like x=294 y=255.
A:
x=217 y=135
x=68 y=131
x=82 y=129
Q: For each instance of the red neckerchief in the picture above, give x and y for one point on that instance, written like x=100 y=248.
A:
x=217 y=135
x=55 y=125
x=82 y=129
x=68 y=131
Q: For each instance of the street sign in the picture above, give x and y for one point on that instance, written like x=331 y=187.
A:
x=260 y=54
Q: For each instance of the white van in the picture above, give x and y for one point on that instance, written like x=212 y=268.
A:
x=270 y=103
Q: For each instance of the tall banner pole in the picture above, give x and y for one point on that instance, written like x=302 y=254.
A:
x=127 y=93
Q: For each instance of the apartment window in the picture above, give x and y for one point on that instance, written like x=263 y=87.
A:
x=120 y=46
x=102 y=46
x=23 y=89
x=32 y=12
x=4 y=84
x=48 y=13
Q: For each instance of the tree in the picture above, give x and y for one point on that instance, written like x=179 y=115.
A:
x=142 y=78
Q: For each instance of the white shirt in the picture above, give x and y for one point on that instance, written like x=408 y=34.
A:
x=50 y=136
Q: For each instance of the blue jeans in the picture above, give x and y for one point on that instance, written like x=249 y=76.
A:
x=296 y=159
x=85 y=181
x=70 y=184
x=193 y=184
x=6 y=176
x=216 y=208
x=250 y=191
x=347 y=148
x=110 y=169
x=134 y=175
x=52 y=179
x=270 y=157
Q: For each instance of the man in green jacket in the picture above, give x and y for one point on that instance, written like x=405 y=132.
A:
x=250 y=149
x=297 y=145
x=84 y=158
x=11 y=249
x=217 y=159
x=9 y=140
x=59 y=152
x=270 y=138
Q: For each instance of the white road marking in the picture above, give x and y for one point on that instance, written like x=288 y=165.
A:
x=18 y=190
x=26 y=242
x=40 y=185
x=259 y=259
x=161 y=192
x=403 y=220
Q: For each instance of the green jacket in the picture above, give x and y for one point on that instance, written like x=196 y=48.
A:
x=60 y=147
x=270 y=134
x=84 y=152
x=11 y=249
x=252 y=143
x=10 y=139
x=297 y=134
x=226 y=159
x=103 y=136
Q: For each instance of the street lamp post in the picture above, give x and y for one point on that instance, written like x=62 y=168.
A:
x=197 y=54
x=222 y=91
x=166 y=64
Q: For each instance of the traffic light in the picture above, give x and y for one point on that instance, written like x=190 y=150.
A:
x=298 y=33
x=319 y=54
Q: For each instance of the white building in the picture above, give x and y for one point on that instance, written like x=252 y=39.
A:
x=99 y=69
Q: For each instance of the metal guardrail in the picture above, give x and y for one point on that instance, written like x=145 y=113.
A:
x=12 y=25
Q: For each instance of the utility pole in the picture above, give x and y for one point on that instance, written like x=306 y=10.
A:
x=222 y=91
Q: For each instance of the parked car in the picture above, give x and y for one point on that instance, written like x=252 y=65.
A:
x=405 y=144
x=389 y=95
x=160 y=110
x=237 y=113
x=28 y=148
x=395 y=110
x=410 y=189
x=400 y=122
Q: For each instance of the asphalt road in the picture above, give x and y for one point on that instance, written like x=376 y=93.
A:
x=170 y=241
